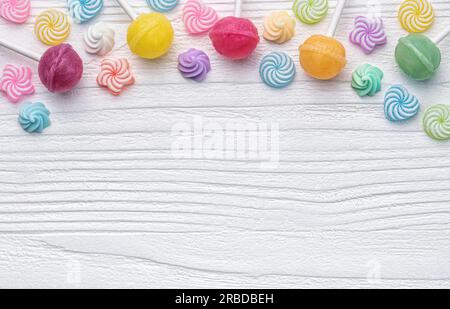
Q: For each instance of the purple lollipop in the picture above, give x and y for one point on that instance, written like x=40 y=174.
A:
x=194 y=64
x=368 y=33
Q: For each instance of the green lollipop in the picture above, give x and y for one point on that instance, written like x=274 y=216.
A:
x=419 y=56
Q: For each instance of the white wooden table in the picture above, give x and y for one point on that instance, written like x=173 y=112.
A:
x=99 y=200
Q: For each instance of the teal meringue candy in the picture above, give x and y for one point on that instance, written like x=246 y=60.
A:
x=277 y=70
x=366 y=80
x=34 y=117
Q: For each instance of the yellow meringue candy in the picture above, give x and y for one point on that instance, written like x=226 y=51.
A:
x=279 y=27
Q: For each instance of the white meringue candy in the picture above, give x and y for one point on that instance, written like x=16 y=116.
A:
x=99 y=39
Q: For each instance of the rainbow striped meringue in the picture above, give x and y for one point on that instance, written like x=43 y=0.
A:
x=436 y=122
x=277 y=70
x=52 y=27
x=279 y=27
x=115 y=75
x=84 y=10
x=198 y=18
x=310 y=11
x=16 y=82
x=15 y=11
x=416 y=16
x=399 y=104
x=162 y=6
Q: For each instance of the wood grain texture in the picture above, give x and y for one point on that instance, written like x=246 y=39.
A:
x=100 y=201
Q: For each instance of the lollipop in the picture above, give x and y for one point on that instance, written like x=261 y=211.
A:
x=60 y=67
x=310 y=11
x=416 y=15
x=368 y=33
x=162 y=6
x=198 y=18
x=419 y=56
x=399 y=104
x=83 y=11
x=436 y=122
x=324 y=57
x=234 y=37
x=15 y=11
x=52 y=27
x=16 y=82
x=277 y=70
x=115 y=75
x=150 y=35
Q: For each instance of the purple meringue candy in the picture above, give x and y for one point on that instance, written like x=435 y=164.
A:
x=194 y=64
x=368 y=33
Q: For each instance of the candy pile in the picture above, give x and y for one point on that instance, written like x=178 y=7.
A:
x=150 y=36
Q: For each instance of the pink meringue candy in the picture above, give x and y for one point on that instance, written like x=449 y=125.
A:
x=198 y=18
x=15 y=11
x=115 y=75
x=16 y=82
x=368 y=33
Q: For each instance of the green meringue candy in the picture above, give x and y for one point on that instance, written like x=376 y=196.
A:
x=418 y=56
x=366 y=80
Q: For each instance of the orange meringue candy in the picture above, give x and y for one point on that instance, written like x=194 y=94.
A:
x=322 y=57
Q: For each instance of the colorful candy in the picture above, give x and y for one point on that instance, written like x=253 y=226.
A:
x=310 y=11
x=366 y=80
x=277 y=70
x=399 y=104
x=436 y=122
x=60 y=68
x=150 y=35
x=115 y=75
x=234 y=37
x=99 y=39
x=84 y=10
x=198 y=18
x=162 y=6
x=279 y=27
x=368 y=33
x=34 y=117
x=194 y=64
x=16 y=82
x=324 y=57
x=418 y=56
x=15 y=11
x=416 y=15
x=52 y=27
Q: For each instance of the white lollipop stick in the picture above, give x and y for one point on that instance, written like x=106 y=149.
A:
x=336 y=17
x=128 y=9
x=20 y=50
x=439 y=38
x=237 y=8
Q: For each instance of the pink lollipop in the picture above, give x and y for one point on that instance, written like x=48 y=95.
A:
x=16 y=11
x=60 y=67
x=198 y=18
x=16 y=82
x=116 y=75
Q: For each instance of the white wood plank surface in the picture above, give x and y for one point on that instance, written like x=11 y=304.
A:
x=99 y=200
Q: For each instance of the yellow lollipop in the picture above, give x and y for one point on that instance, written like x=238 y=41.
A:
x=416 y=16
x=150 y=35
x=52 y=27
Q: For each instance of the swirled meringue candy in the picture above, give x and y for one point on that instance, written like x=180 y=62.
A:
x=366 y=80
x=99 y=39
x=279 y=27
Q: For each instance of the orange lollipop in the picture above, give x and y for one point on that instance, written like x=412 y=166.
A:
x=324 y=57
